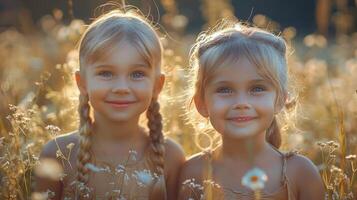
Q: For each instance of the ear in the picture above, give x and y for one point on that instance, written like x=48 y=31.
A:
x=81 y=84
x=159 y=84
x=200 y=106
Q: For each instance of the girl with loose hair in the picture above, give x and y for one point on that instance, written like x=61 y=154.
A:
x=240 y=85
x=111 y=156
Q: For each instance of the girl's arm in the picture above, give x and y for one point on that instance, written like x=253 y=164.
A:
x=174 y=159
x=43 y=183
x=308 y=181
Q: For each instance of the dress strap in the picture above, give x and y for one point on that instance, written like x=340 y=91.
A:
x=285 y=157
x=291 y=195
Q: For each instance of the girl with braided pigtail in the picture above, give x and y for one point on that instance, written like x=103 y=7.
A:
x=112 y=156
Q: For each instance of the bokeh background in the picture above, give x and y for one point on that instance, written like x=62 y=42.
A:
x=38 y=56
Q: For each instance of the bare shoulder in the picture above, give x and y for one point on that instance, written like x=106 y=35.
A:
x=299 y=164
x=194 y=167
x=62 y=143
x=55 y=150
x=174 y=154
x=305 y=176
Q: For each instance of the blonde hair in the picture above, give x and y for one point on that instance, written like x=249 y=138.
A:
x=228 y=42
x=98 y=40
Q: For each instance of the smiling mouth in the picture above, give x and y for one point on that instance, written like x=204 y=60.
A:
x=120 y=104
x=242 y=119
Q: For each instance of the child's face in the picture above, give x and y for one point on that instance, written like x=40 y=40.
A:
x=238 y=101
x=121 y=86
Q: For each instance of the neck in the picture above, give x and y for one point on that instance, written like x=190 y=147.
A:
x=116 y=131
x=246 y=149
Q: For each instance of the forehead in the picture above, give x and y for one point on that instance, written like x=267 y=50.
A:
x=240 y=70
x=121 y=54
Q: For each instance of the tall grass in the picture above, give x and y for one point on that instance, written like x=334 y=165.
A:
x=38 y=94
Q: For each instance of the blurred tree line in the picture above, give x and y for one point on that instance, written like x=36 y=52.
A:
x=328 y=17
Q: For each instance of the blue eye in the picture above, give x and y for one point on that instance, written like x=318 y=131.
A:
x=257 y=89
x=224 y=90
x=137 y=74
x=105 y=74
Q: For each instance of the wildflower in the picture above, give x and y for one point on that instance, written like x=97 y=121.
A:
x=54 y=130
x=96 y=169
x=132 y=155
x=144 y=177
x=28 y=146
x=13 y=108
x=321 y=144
x=351 y=157
x=119 y=169
x=255 y=179
x=84 y=190
x=333 y=144
x=335 y=169
x=211 y=183
x=191 y=183
x=70 y=145
x=59 y=154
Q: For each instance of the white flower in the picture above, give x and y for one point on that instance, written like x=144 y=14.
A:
x=255 y=179
x=132 y=155
x=119 y=169
x=144 y=177
x=94 y=168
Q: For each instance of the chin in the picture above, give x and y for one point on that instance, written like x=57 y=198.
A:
x=240 y=135
x=118 y=118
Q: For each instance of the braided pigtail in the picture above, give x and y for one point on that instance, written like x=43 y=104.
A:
x=273 y=135
x=157 y=145
x=84 y=155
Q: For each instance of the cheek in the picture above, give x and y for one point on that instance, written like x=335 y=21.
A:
x=266 y=105
x=97 y=87
x=217 y=106
x=144 y=88
x=220 y=104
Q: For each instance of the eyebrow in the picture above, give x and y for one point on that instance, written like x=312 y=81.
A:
x=259 y=80
x=112 y=66
x=251 y=81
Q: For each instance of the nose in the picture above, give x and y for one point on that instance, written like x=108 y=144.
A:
x=120 y=86
x=242 y=102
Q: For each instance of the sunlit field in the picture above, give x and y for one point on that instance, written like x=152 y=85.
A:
x=39 y=96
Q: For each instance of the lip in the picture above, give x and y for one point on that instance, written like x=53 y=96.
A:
x=120 y=104
x=241 y=119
